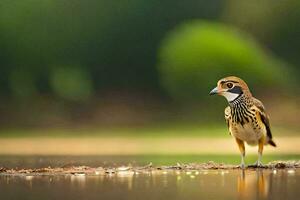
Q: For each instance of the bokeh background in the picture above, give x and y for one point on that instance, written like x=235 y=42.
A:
x=134 y=67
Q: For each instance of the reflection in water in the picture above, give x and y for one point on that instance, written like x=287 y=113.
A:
x=253 y=186
x=78 y=180
x=159 y=184
x=268 y=184
x=29 y=180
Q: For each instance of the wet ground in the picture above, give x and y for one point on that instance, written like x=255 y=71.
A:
x=31 y=178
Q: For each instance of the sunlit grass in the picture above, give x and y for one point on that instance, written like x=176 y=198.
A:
x=136 y=160
x=227 y=159
x=139 y=132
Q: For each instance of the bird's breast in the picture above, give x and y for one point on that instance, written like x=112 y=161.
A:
x=247 y=132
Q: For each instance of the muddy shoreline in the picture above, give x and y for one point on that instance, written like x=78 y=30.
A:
x=85 y=170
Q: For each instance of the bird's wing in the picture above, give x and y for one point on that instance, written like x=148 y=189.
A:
x=263 y=115
x=227 y=116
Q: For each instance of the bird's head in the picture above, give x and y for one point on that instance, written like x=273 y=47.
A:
x=231 y=88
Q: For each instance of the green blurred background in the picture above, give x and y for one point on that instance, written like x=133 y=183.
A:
x=137 y=64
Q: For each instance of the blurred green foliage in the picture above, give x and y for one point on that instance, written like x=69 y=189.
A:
x=99 y=53
x=71 y=83
x=113 y=41
x=274 y=23
x=198 y=53
x=116 y=42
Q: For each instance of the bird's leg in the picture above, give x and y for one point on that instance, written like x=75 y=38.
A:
x=242 y=150
x=261 y=142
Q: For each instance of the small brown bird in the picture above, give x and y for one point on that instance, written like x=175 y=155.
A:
x=245 y=116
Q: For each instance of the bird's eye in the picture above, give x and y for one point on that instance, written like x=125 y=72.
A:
x=229 y=85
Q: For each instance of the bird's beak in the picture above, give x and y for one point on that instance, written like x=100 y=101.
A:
x=214 y=91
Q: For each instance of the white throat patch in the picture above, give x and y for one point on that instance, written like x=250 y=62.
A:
x=230 y=96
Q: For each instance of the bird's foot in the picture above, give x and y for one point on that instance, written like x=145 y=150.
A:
x=242 y=165
x=257 y=164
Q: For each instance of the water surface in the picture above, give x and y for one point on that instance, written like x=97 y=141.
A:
x=158 y=184
x=169 y=184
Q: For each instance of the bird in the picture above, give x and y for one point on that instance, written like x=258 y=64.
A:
x=245 y=116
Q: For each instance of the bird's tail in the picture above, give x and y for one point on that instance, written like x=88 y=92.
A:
x=272 y=143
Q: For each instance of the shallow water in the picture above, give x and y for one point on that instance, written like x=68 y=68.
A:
x=159 y=184
x=203 y=184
